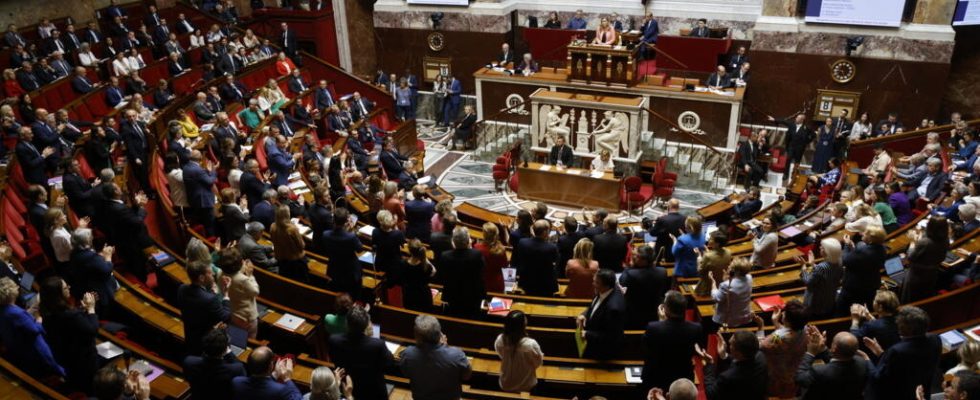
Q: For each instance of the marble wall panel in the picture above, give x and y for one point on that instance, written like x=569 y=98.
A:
x=879 y=47
x=452 y=21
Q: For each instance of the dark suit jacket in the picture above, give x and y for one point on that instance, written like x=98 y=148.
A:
x=321 y=220
x=505 y=58
x=700 y=32
x=439 y=243
x=391 y=161
x=834 y=379
x=715 y=80
x=418 y=215
x=263 y=388
x=566 y=248
x=935 y=186
x=232 y=223
x=28 y=80
x=71 y=335
x=364 y=358
x=263 y=212
x=797 y=140
x=184 y=26
x=746 y=209
x=81 y=85
x=610 y=250
x=861 y=272
x=136 y=144
x=35 y=214
x=90 y=272
x=252 y=188
x=604 y=328
x=464 y=129
x=200 y=310
x=113 y=96
x=322 y=98
x=341 y=248
x=667 y=350
x=31 y=163
x=211 y=378
x=645 y=291
x=564 y=154
x=287 y=40
x=162 y=97
x=748 y=154
x=535 y=261
x=79 y=193
x=909 y=363
x=175 y=68
x=126 y=225
x=197 y=184
x=463 y=287
x=742 y=380
x=297 y=85
x=281 y=164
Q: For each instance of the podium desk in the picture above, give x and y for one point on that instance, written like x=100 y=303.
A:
x=615 y=65
x=568 y=187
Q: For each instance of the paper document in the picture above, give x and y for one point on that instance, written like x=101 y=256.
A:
x=574 y=171
x=424 y=180
x=545 y=167
x=392 y=347
x=579 y=341
x=634 y=374
x=289 y=322
x=366 y=230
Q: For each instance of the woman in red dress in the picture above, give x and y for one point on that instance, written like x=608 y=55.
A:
x=494 y=258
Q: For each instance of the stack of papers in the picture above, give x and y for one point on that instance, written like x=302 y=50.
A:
x=392 y=347
x=366 y=257
x=597 y=174
x=499 y=306
x=574 y=171
x=108 y=350
x=297 y=184
x=289 y=322
x=366 y=230
x=545 y=167
x=634 y=374
x=951 y=340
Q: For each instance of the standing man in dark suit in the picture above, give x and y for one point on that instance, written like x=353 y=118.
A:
x=910 y=362
x=341 y=246
x=645 y=285
x=413 y=86
x=77 y=189
x=418 y=215
x=602 y=323
x=668 y=343
x=561 y=153
x=736 y=61
x=91 y=271
x=798 y=138
x=30 y=159
x=701 y=29
x=37 y=195
x=650 y=30
x=455 y=97
x=748 y=156
x=744 y=376
x=464 y=128
x=287 y=39
x=322 y=99
x=462 y=269
x=251 y=184
x=198 y=184
x=282 y=163
x=92 y=36
x=567 y=241
x=841 y=129
x=210 y=374
x=610 y=247
x=841 y=376
x=365 y=358
x=268 y=378
x=200 y=308
x=134 y=134
x=669 y=224
x=125 y=228
x=535 y=258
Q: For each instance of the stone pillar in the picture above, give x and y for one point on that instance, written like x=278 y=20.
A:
x=934 y=12
x=779 y=8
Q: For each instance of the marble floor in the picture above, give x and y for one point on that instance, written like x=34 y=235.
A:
x=469 y=180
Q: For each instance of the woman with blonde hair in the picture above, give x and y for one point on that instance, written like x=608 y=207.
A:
x=249 y=40
x=387 y=241
x=713 y=262
x=288 y=245
x=605 y=34
x=865 y=217
x=443 y=208
x=271 y=97
x=325 y=385
x=733 y=296
x=56 y=229
x=969 y=355
x=392 y=201
x=494 y=258
x=580 y=269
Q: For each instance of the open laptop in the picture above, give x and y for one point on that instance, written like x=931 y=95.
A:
x=27 y=282
x=895 y=269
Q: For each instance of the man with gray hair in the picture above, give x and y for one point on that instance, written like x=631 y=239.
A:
x=434 y=369
x=260 y=254
x=462 y=269
x=681 y=389
x=265 y=210
x=91 y=271
x=968 y=216
x=929 y=185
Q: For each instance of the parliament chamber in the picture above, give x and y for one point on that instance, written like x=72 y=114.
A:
x=497 y=199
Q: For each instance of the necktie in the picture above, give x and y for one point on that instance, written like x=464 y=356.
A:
x=179 y=68
x=74 y=39
x=61 y=66
x=57 y=42
x=156 y=20
x=302 y=87
x=238 y=92
x=139 y=131
x=166 y=31
x=34 y=149
x=286 y=129
x=95 y=37
x=187 y=26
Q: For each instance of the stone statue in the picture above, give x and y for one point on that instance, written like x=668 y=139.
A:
x=582 y=133
x=612 y=132
x=557 y=124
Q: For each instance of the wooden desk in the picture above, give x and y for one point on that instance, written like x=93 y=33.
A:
x=570 y=189
x=613 y=65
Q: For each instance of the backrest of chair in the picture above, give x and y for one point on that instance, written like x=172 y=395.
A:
x=633 y=183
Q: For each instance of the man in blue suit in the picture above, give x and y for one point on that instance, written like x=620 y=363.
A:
x=198 y=183
x=577 y=22
x=357 y=151
x=322 y=99
x=211 y=373
x=80 y=83
x=391 y=161
x=91 y=271
x=265 y=210
x=268 y=379
x=200 y=308
x=418 y=214
x=134 y=135
x=650 y=29
x=46 y=136
x=413 y=85
x=31 y=160
x=251 y=184
x=281 y=163
x=113 y=94
x=451 y=108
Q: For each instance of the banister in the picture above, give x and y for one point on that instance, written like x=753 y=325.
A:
x=501 y=111
x=907 y=135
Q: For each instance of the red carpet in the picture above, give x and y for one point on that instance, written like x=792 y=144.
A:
x=648 y=67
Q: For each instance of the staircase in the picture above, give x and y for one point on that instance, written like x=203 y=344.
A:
x=496 y=137
x=697 y=167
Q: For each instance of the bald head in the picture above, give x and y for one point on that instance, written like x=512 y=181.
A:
x=673 y=205
x=260 y=361
x=683 y=389
x=845 y=345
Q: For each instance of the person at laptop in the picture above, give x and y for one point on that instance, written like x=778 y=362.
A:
x=718 y=80
x=528 y=65
x=926 y=252
x=603 y=162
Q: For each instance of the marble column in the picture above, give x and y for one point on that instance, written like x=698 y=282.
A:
x=934 y=12
x=779 y=8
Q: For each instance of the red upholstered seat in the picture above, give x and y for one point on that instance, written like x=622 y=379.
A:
x=634 y=194
x=778 y=160
x=663 y=181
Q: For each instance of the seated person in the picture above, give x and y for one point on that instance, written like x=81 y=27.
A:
x=506 y=56
x=830 y=177
x=561 y=153
x=719 y=79
x=605 y=34
x=578 y=22
x=701 y=30
x=604 y=162
x=745 y=209
x=251 y=116
x=741 y=77
x=528 y=65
